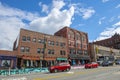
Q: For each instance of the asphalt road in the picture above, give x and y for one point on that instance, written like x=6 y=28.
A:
x=101 y=73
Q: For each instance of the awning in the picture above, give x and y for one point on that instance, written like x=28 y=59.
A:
x=30 y=58
x=61 y=58
x=49 y=59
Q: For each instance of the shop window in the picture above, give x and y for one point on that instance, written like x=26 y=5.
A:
x=6 y=63
x=79 y=52
x=85 y=53
x=22 y=49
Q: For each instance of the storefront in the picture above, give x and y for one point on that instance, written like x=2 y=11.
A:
x=49 y=61
x=8 y=62
x=61 y=59
x=28 y=61
x=78 y=59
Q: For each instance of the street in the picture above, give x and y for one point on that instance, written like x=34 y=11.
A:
x=100 y=73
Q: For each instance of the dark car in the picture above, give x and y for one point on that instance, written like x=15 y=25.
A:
x=60 y=67
x=105 y=63
x=91 y=65
x=117 y=62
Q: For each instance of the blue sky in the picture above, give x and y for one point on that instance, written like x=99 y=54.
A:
x=99 y=18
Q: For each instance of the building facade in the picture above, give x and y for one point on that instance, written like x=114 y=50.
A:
x=36 y=49
x=113 y=42
x=77 y=45
x=100 y=53
x=8 y=59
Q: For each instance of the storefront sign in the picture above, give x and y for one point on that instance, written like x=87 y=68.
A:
x=61 y=58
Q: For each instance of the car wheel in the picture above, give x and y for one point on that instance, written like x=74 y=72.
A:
x=55 y=70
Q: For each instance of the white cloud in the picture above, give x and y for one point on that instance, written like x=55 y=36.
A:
x=58 y=4
x=104 y=1
x=101 y=20
x=11 y=20
x=118 y=6
x=108 y=32
x=55 y=20
x=45 y=8
x=87 y=13
x=117 y=24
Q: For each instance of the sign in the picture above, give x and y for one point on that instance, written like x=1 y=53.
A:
x=61 y=58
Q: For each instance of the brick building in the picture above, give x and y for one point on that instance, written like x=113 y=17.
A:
x=36 y=49
x=113 y=42
x=77 y=45
x=8 y=59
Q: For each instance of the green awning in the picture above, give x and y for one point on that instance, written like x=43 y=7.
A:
x=61 y=58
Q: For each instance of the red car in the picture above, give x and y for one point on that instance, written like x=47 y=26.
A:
x=60 y=67
x=91 y=65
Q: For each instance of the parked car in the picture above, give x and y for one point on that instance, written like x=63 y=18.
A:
x=91 y=65
x=60 y=67
x=105 y=63
x=111 y=63
x=117 y=62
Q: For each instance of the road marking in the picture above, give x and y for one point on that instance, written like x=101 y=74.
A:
x=18 y=78
x=40 y=79
x=70 y=72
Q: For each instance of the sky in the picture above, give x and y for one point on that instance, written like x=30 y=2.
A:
x=99 y=18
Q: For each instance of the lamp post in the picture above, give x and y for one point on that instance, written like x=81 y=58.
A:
x=43 y=51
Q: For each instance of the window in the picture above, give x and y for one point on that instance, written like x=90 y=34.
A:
x=42 y=50
x=85 y=53
x=62 y=44
x=57 y=43
x=50 y=51
x=79 y=52
x=34 y=39
x=27 y=49
x=62 y=52
x=28 y=38
x=38 y=50
x=23 y=38
x=41 y=41
x=22 y=49
x=51 y=43
x=72 y=51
